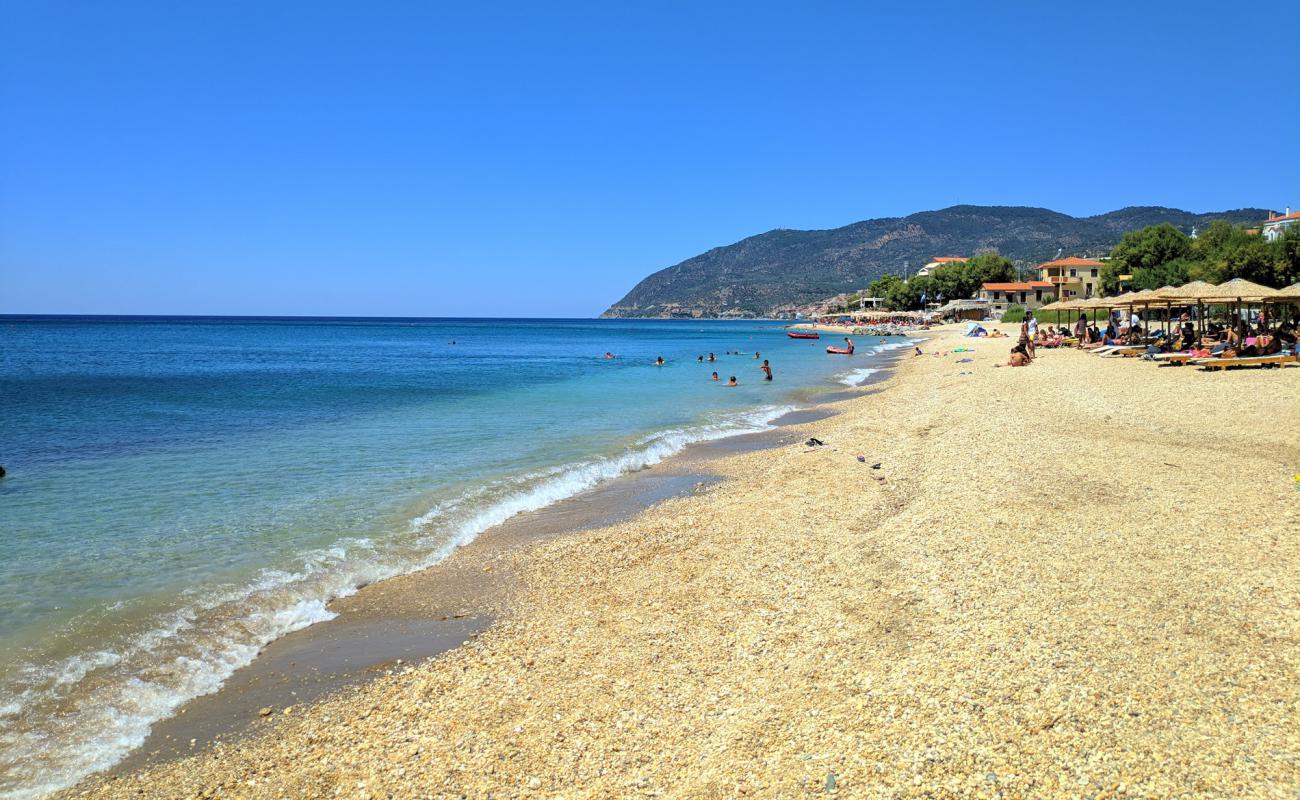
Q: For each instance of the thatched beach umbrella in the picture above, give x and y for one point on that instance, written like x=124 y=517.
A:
x=1291 y=292
x=1242 y=292
x=1195 y=292
x=1144 y=299
x=1288 y=296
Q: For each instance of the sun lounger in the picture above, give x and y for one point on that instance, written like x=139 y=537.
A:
x=1125 y=351
x=1252 y=361
x=1176 y=358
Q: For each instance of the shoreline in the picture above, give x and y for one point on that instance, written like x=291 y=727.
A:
x=998 y=599
x=378 y=629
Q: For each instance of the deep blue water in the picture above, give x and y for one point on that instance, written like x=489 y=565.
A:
x=183 y=490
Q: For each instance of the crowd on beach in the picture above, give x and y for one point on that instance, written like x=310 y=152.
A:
x=1249 y=335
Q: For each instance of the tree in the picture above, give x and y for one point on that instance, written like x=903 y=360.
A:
x=907 y=295
x=988 y=268
x=1149 y=249
x=880 y=286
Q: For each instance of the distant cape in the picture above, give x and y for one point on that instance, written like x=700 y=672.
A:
x=771 y=273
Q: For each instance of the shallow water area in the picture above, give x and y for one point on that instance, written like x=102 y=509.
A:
x=185 y=491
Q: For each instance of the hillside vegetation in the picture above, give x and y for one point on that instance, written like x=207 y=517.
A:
x=761 y=275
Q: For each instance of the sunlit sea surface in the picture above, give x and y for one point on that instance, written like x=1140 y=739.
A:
x=181 y=491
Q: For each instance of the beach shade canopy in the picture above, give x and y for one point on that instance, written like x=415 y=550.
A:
x=1149 y=296
x=1291 y=292
x=1240 y=289
x=1196 y=290
x=1055 y=305
x=1122 y=300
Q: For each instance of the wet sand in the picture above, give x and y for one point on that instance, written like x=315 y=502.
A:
x=400 y=622
x=1076 y=579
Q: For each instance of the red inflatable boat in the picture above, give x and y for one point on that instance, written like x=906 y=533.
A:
x=839 y=351
x=794 y=335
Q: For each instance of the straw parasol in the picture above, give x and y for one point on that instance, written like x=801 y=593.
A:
x=1195 y=292
x=1241 y=290
x=1290 y=293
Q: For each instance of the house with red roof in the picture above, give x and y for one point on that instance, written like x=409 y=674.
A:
x=1278 y=223
x=1030 y=294
x=1072 y=277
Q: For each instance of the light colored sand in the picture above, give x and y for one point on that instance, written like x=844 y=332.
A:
x=1077 y=579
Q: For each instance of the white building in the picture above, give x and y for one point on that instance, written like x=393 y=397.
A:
x=1273 y=228
x=939 y=261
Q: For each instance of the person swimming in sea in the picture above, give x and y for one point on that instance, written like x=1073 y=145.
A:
x=767 y=370
x=659 y=362
x=609 y=355
x=732 y=381
x=712 y=357
x=757 y=354
x=715 y=376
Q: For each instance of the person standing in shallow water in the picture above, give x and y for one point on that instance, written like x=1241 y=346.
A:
x=767 y=370
x=659 y=362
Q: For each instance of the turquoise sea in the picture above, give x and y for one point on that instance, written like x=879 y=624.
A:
x=181 y=491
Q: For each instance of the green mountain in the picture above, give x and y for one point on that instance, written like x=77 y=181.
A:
x=760 y=275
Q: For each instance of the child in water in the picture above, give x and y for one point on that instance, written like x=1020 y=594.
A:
x=767 y=370
x=732 y=381
x=715 y=376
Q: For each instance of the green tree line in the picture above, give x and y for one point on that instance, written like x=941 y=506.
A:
x=952 y=281
x=1161 y=255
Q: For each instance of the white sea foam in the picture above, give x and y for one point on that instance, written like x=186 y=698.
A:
x=118 y=694
x=857 y=376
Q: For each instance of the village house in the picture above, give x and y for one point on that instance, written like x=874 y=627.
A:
x=1277 y=224
x=939 y=261
x=1030 y=294
x=1072 y=277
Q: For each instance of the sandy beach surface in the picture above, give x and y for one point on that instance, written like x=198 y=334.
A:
x=1076 y=579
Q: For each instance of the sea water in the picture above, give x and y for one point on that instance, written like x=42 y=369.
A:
x=182 y=491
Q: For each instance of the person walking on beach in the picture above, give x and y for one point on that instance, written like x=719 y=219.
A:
x=1081 y=330
x=1031 y=328
x=767 y=370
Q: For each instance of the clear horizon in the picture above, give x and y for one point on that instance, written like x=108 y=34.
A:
x=440 y=162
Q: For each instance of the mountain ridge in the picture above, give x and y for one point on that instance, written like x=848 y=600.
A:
x=769 y=273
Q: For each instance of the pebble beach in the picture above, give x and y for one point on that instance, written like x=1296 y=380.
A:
x=1075 y=579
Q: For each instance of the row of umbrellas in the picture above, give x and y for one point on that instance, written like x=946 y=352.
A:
x=1237 y=290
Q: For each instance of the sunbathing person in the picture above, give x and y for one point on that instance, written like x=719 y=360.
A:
x=1018 y=357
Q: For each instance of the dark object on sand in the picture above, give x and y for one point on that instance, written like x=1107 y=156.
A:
x=815 y=443
x=875 y=466
x=862 y=459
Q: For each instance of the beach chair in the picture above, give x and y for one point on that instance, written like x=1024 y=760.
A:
x=1280 y=360
x=1176 y=359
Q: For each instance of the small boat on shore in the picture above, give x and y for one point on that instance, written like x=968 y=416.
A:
x=840 y=351
x=798 y=335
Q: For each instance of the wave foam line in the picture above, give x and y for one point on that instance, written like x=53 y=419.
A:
x=48 y=743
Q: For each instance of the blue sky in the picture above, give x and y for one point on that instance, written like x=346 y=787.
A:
x=539 y=159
